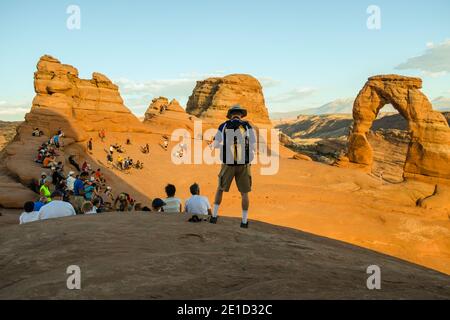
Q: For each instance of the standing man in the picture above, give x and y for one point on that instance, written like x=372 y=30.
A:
x=236 y=140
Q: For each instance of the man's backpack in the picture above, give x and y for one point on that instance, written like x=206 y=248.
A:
x=237 y=140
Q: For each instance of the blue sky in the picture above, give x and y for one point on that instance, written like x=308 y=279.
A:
x=305 y=53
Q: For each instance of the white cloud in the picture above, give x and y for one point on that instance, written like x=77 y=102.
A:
x=13 y=109
x=267 y=82
x=434 y=62
x=138 y=94
x=292 y=95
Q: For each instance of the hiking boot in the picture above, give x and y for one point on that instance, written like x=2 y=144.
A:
x=244 y=225
x=213 y=220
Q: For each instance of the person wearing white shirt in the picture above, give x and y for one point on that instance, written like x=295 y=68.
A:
x=197 y=204
x=56 y=208
x=70 y=181
x=173 y=204
x=29 y=215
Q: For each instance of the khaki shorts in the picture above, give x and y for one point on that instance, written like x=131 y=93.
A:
x=241 y=173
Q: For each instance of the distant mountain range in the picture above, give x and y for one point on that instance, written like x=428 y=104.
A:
x=346 y=106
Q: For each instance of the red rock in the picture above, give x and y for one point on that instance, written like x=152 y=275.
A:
x=429 y=151
x=212 y=98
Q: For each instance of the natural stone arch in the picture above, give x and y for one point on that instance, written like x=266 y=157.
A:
x=429 y=150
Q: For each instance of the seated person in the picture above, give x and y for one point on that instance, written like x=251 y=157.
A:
x=49 y=161
x=88 y=208
x=44 y=190
x=197 y=204
x=57 y=208
x=123 y=201
x=173 y=204
x=158 y=205
x=40 y=203
x=29 y=214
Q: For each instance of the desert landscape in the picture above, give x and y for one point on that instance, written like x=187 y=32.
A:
x=351 y=191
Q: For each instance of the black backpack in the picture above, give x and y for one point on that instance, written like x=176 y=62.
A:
x=237 y=151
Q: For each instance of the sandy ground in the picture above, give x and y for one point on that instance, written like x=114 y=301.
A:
x=161 y=256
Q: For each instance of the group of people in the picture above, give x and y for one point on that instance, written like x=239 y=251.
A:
x=126 y=163
x=61 y=196
x=87 y=192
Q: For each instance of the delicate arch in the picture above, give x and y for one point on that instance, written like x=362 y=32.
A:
x=429 y=150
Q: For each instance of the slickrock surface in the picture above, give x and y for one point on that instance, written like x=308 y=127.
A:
x=154 y=256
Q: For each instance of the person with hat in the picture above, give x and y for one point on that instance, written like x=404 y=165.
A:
x=123 y=201
x=57 y=208
x=236 y=140
x=70 y=181
x=42 y=179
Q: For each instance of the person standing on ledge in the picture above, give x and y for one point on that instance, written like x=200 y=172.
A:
x=237 y=140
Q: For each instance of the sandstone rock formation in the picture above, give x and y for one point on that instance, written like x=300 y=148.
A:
x=77 y=106
x=164 y=117
x=212 y=98
x=429 y=151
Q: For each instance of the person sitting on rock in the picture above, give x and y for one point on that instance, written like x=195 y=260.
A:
x=88 y=208
x=40 y=203
x=55 y=140
x=44 y=190
x=108 y=195
x=109 y=158
x=78 y=191
x=99 y=175
x=89 y=188
x=28 y=214
x=197 y=204
x=42 y=179
x=37 y=133
x=98 y=205
x=128 y=142
x=85 y=167
x=173 y=204
x=57 y=175
x=70 y=181
x=120 y=162
x=158 y=205
x=89 y=145
x=57 y=208
x=139 y=165
x=123 y=202
x=74 y=163
x=49 y=161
